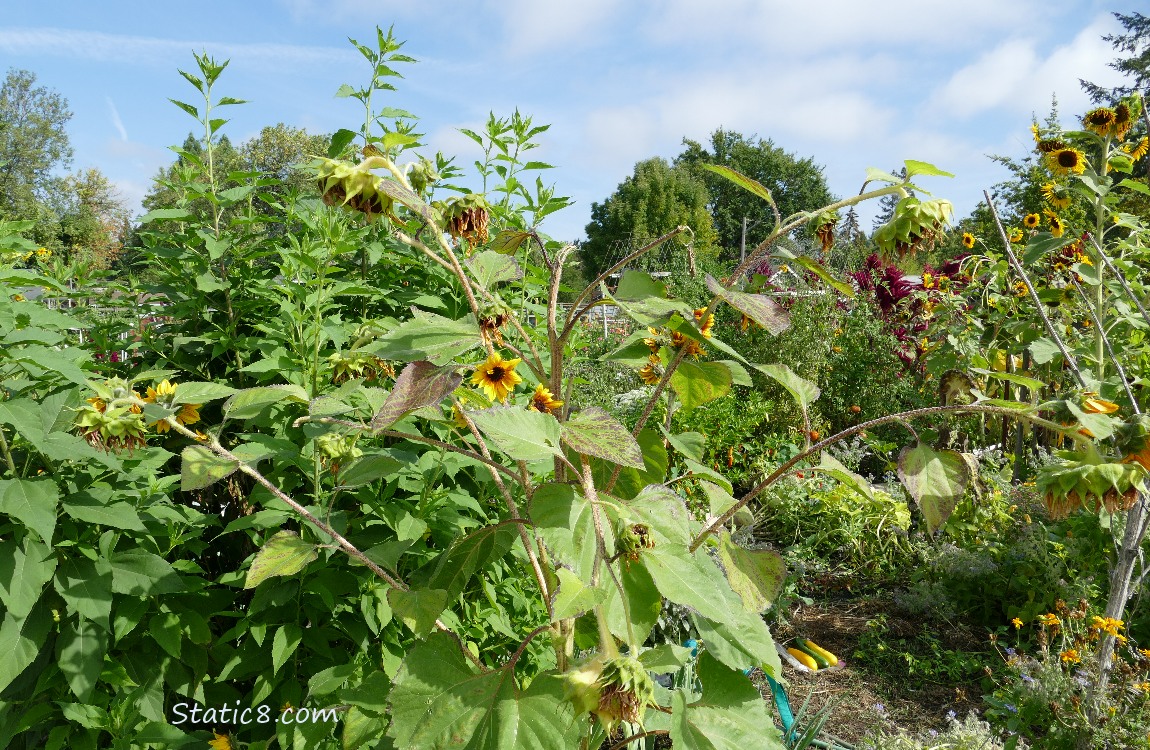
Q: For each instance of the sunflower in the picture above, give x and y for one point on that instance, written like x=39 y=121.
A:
x=1048 y=145
x=1101 y=120
x=164 y=393
x=967 y=240
x=1031 y=221
x=1122 y=120
x=1056 y=195
x=1034 y=132
x=705 y=325
x=496 y=376
x=543 y=400
x=651 y=372
x=928 y=278
x=1015 y=234
x=1057 y=226
x=1067 y=160
x=1093 y=405
x=652 y=342
x=694 y=348
x=1137 y=151
x=221 y=742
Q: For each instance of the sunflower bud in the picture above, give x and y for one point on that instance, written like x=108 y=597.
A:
x=613 y=690
x=634 y=538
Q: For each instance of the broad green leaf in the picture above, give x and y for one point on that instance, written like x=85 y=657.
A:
x=201 y=393
x=166 y=630
x=284 y=644
x=142 y=573
x=644 y=300
x=803 y=391
x=696 y=383
x=251 y=402
x=935 y=479
x=366 y=469
x=574 y=597
x=644 y=603
x=20 y=642
x=24 y=569
x=491 y=267
x=563 y=518
x=523 y=434
x=79 y=653
x=418 y=608
x=731 y=715
x=119 y=515
x=742 y=181
x=167 y=214
x=809 y=264
x=32 y=502
x=200 y=467
x=758 y=307
x=873 y=174
x=689 y=444
x=508 y=241
x=428 y=337
x=370 y=694
x=665 y=513
x=692 y=580
x=86 y=586
x=741 y=643
x=665 y=658
x=1100 y=426
x=757 y=576
x=1032 y=384
x=594 y=432
x=632 y=481
x=330 y=679
x=452 y=569
x=419 y=384
x=361 y=728
x=284 y=554
x=830 y=465
x=914 y=168
x=1044 y=350
x=439 y=701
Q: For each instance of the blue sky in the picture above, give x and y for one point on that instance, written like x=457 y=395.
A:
x=849 y=83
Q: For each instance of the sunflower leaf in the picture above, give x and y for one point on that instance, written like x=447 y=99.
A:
x=419 y=384
x=758 y=307
x=523 y=434
x=594 y=432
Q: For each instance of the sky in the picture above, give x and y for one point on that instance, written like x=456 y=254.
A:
x=850 y=84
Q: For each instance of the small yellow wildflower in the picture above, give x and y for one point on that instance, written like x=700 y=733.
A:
x=1070 y=656
x=1017 y=623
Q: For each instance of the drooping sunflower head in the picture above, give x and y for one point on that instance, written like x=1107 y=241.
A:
x=1031 y=221
x=1123 y=120
x=497 y=376
x=1016 y=234
x=466 y=217
x=1101 y=120
x=693 y=347
x=651 y=372
x=706 y=322
x=352 y=186
x=543 y=400
x=1137 y=150
x=1049 y=145
x=1057 y=226
x=1066 y=161
x=1056 y=195
x=967 y=240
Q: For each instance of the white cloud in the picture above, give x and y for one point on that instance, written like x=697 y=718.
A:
x=121 y=48
x=534 y=26
x=1017 y=77
x=116 y=121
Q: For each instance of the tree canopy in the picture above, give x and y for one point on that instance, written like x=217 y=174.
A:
x=797 y=184
x=654 y=200
x=33 y=143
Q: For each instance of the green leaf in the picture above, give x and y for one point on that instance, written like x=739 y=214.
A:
x=361 y=729
x=563 y=518
x=745 y=642
x=731 y=715
x=166 y=630
x=167 y=214
x=935 y=479
x=692 y=580
x=366 y=469
x=439 y=701
x=452 y=569
x=573 y=597
x=921 y=167
x=644 y=300
x=665 y=512
x=86 y=586
x=251 y=402
x=200 y=467
x=742 y=181
x=341 y=138
x=79 y=653
x=201 y=393
x=689 y=444
x=24 y=570
x=32 y=502
x=1044 y=350
x=523 y=434
x=1099 y=425
x=665 y=658
x=508 y=241
x=429 y=337
x=644 y=604
x=594 y=432
x=20 y=641
x=757 y=576
x=141 y=573
x=418 y=608
x=119 y=515
x=284 y=644
x=420 y=384
x=803 y=391
x=696 y=383
x=632 y=481
x=490 y=267
x=830 y=465
x=1033 y=384
x=1135 y=185
x=758 y=307
x=284 y=554
x=818 y=270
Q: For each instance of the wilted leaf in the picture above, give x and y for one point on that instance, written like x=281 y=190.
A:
x=757 y=576
x=935 y=479
x=594 y=432
x=419 y=384
x=199 y=468
x=758 y=307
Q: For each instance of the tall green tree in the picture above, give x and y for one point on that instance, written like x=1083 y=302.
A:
x=33 y=144
x=1135 y=65
x=654 y=200
x=797 y=184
